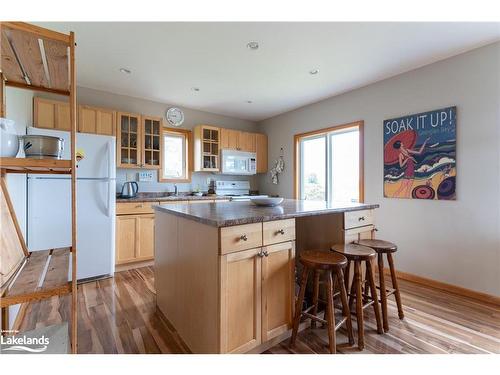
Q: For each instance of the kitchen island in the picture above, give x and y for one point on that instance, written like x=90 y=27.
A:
x=225 y=272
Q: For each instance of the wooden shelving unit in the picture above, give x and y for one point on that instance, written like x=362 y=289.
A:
x=42 y=60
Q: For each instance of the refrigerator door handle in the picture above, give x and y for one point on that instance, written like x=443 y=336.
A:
x=108 y=208
x=108 y=152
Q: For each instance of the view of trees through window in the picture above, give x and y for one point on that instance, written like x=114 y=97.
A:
x=329 y=166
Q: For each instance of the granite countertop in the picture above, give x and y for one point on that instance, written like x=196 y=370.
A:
x=155 y=197
x=237 y=213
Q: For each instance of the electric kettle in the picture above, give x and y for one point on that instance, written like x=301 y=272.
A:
x=129 y=189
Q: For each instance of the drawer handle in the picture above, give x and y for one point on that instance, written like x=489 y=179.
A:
x=281 y=231
x=244 y=237
x=263 y=254
x=362 y=218
x=138 y=206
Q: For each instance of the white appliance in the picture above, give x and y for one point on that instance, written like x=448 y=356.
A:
x=235 y=190
x=49 y=205
x=239 y=162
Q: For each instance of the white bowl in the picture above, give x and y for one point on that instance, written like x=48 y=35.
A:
x=270 y=202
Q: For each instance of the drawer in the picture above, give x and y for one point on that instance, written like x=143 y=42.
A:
x=240 y=237
x=130 y=208
x=278 y=231
x=354 y=219
x=359 y=233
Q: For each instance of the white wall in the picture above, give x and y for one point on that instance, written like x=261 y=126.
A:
x=19 y=105
x=457 y=242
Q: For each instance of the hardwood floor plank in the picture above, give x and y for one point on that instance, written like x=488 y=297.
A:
x=118 y=315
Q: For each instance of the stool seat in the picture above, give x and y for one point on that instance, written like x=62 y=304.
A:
x=322 y=259
x=354 y=252
x=380 y=246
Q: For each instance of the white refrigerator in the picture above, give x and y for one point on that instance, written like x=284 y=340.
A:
x=49 y=205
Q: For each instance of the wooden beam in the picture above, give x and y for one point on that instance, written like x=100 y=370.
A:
x=3 y=108
x=73 y=107
x=36 y=88
x=38 y=31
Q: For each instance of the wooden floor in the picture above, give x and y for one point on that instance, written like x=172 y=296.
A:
x=117 y=316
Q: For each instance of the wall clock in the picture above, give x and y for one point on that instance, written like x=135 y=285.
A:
x=174 y=116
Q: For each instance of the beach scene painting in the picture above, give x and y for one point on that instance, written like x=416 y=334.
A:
x=420 y=155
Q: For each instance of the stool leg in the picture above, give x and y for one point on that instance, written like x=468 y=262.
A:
x=298 y=306
x=359 y=305
x=383 y=291
x=330 y=316
x=347 y=275
x=345 y=306
x=315 y=297
x=395 y=286
x=353 y=288
x=373 y=290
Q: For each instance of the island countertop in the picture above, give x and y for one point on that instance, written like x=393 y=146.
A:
x=237 y=213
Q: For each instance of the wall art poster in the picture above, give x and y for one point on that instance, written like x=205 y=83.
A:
x=420 y=155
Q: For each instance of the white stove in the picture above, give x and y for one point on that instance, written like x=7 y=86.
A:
x=235 y=190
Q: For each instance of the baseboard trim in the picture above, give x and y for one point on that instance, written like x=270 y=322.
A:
x=464 y=292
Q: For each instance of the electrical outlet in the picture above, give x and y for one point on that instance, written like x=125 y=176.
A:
x=145 y=176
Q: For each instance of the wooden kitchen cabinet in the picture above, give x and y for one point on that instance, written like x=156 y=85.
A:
x=229 y=138
x=135 y=224
x=95 y=120
x=51 y=114
x=240 y=301
x=261 y=150
x=128 y=138
x=278 y=289
x=151 y=130
x=238 y=140
x=206 y=148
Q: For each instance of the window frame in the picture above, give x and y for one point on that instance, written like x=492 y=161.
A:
x=188 y=139
x=326 y=132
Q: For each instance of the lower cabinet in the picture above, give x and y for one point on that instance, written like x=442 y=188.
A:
x=134 y=238
x=257 y=293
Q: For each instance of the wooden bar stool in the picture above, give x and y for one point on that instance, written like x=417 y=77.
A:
x=331 y=264
x=385 y=247
x=357 y=254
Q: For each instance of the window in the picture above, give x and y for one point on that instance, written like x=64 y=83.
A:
x=175 y=155
x=330 y=164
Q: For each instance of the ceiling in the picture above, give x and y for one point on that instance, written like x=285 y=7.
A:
x=167 y=60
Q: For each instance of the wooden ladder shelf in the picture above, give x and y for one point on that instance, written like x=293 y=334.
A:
x=38 y=59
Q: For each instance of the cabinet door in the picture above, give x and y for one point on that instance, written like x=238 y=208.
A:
x=145 y=231
x=126 y=238
x=128 y=148
x=87 y=119
x=261 y=150
x=106 y=122
x=247 y=142
x=278 y=268
x=240 y=297
x=360 y=233
x=63 y=117
x=151 y=129
x=229 y=138
x=44 y=113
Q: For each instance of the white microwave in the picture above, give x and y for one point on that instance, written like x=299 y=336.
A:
x=238 y=162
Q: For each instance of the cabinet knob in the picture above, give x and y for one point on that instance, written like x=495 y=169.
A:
x=243 y=237
x=265 y=253
x=361 y=218
x=260 y=254
x=281 y=231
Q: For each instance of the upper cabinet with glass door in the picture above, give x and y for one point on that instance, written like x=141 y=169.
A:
x=206 y=148
x=151 y=142
x=129 y=135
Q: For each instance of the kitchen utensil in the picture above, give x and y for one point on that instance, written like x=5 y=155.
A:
x=129 y=189
x=9 y=139
x=270 y=202
x=42 y=146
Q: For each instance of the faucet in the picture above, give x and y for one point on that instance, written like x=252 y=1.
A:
x=175 y=189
